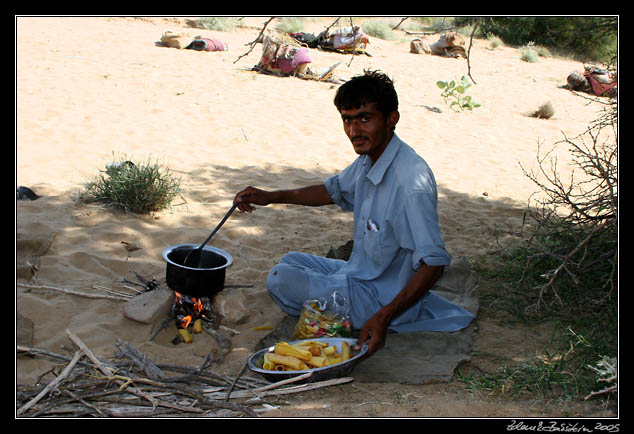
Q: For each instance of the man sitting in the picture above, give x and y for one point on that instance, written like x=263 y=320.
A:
x=398 y=251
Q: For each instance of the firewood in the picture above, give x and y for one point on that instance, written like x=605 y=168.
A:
x=198 y=326
x=52 y=384
x=197 y=390
x=187 y=337
x=127 y=350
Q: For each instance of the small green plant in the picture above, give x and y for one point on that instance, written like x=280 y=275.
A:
x=454 y=94
x=139 y=188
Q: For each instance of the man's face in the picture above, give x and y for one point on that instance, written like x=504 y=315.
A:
x=368 y=130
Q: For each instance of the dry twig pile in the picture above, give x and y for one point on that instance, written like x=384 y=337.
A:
x=138 y=387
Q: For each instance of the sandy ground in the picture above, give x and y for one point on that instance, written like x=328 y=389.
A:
x=93 y=89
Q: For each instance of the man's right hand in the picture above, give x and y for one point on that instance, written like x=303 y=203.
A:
x=251 y=195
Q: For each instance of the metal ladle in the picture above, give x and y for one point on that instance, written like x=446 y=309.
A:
x=192 y=259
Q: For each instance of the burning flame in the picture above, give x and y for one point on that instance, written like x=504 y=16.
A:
x=198 y=305
x=198 y=310
x=185 y=322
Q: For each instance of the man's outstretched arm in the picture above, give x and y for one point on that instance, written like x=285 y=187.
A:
x=315 y=195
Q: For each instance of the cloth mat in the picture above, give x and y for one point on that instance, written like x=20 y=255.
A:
x=419 y=357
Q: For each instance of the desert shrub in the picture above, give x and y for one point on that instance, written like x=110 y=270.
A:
x=290 y=24
x=606 y=371
x=577 y=220
x=528 y=53
x=545 y=111
x=566 y=269
x=139 y=188
x=542 y=51
x=220 y=24
x=433 y=24
x=379 y=29
x=494 y=41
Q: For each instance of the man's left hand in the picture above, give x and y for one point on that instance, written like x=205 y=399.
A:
x=373 y=332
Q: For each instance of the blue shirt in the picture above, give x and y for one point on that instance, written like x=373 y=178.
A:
x=395 y=229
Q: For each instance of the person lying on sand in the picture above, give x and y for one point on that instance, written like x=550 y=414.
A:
x=398 y=251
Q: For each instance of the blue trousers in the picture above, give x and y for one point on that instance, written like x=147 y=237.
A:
x=301 y=276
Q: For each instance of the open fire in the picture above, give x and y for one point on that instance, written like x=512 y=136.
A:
x=189 y=314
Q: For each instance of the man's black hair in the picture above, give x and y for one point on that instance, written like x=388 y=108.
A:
x=371 y=87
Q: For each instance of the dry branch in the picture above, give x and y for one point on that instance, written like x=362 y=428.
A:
x=52 y=384
x=124 y=382
x=126 y=349
x=73 y=292
x=399 y=23
x=94 y=387
x=287 y=390
x=253 y=43
x=475 y=26
x=576 y=233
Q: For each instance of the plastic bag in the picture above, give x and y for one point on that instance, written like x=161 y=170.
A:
x=324 y=318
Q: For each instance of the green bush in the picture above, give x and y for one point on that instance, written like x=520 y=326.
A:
x=137 y=188
x=591 y=37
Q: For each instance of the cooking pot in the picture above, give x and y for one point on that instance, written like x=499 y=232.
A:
x=205 y=281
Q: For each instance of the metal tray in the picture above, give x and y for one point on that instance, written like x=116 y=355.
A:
x=318 y=374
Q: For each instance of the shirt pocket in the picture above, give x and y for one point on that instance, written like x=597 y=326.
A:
x=379 y=245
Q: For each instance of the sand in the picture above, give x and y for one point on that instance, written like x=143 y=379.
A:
x=93 y=89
